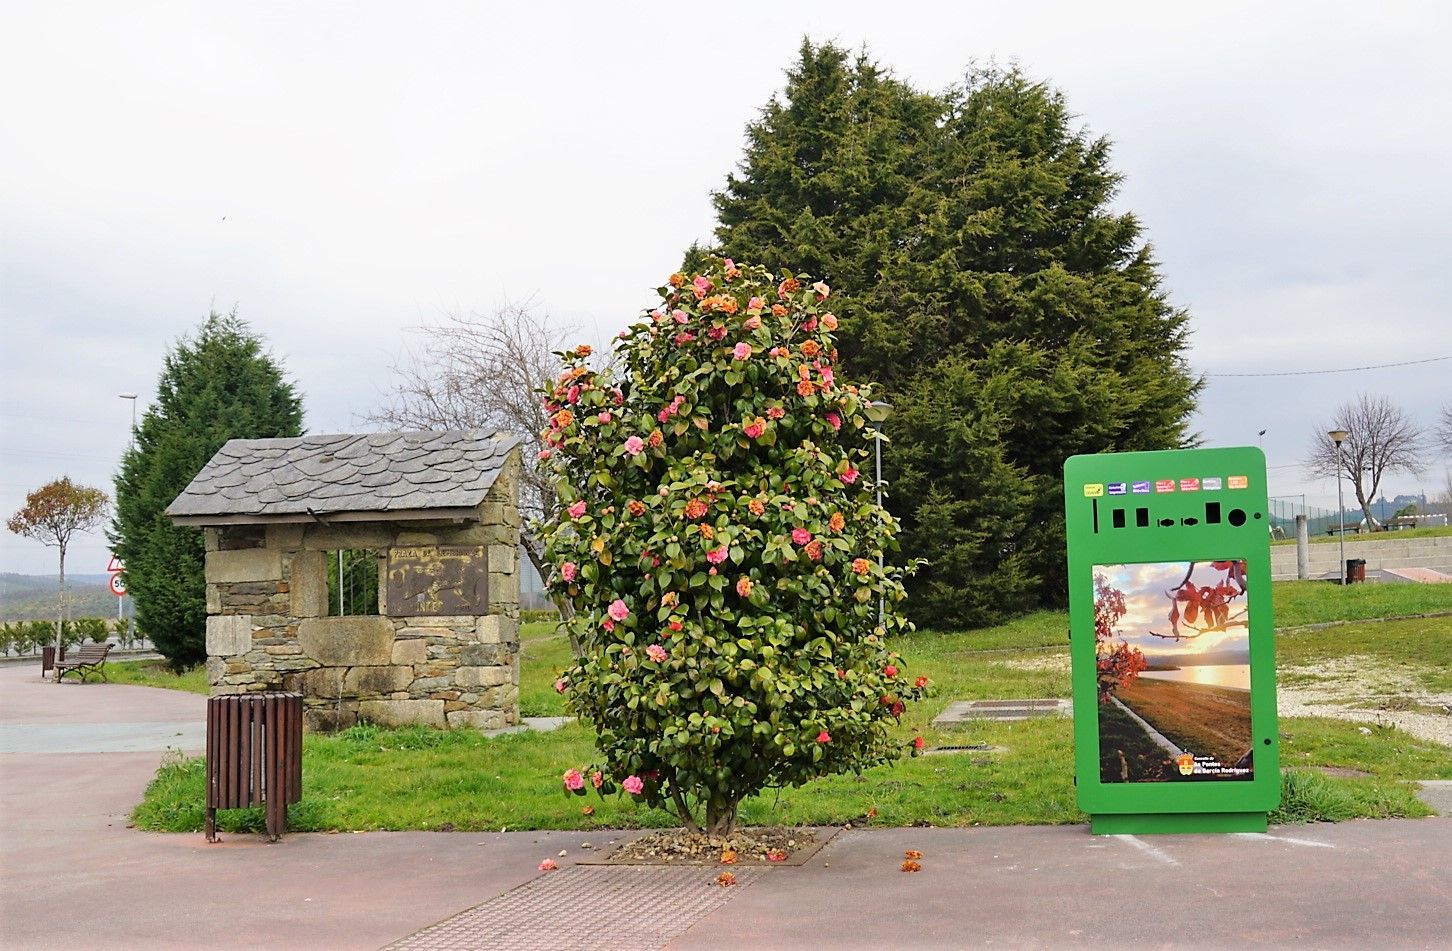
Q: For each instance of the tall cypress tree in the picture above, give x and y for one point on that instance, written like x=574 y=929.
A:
x=218 y=385
x=1014 y=317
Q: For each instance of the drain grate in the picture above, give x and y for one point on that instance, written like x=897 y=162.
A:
x=966 y=711
x=585 y=907
x=962 y=748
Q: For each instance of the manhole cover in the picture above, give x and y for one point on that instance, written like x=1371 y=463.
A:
x=962 y=749
x=965 y=711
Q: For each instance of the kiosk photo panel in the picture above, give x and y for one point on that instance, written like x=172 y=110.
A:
x=1172 y=640
x=1172 y=659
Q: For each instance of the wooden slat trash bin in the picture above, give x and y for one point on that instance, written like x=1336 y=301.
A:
x=254 y=755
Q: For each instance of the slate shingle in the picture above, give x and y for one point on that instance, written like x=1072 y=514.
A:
x=369 y=472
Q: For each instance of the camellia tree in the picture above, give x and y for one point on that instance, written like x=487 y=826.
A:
x=722 y=551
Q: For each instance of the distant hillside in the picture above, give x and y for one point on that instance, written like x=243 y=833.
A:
x=33 y=597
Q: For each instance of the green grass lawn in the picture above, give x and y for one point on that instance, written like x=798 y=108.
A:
x=1315 y=602
x=372 y=778
x=1403 y=535
x=155 y=673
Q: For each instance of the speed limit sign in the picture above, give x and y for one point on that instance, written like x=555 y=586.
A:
x=118 y=585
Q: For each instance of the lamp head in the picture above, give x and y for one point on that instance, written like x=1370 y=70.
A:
x=878 y=410
x=126 y=396
x=1338 y=436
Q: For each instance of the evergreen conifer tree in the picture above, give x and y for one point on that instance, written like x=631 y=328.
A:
x=1012 y=314
x=219 y=385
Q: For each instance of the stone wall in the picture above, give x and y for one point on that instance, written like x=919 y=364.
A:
x=268 y=627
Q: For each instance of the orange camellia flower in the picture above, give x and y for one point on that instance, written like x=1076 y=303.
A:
x=829 y=321
x=756 y=506
x=909 y=865
x=635 y=507
x=789 y=286
x=655 y=438
x=725 y=879
x=563 y=418
x=727 y=305
x=695 y=508
x=814 y=550
x=805 y=388
x=743 y=587
x=676 y=280
x=912 y=854
x=707 y=532
x=775 y=412
x=778 y=310
x=728 y=856
x=669 y=598
x=584 y=350
x=837 y=522
x=861 y=566
x=811 y=348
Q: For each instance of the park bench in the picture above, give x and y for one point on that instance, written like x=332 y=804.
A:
x=88 y=659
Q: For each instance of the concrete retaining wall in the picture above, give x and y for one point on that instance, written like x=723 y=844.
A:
x=1385 y=552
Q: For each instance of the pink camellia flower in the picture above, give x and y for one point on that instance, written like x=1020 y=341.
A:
x=574 y=780
x=572 y=395
x=889 y=671
x=683 y=338
x=561 y=685
x=657 y=315
x=809 y=325
x=597 y=779
x=752 y=323
x=716 y=333
x=801 y=536
x=577 y=509
x=568 y=571
x=701 y=283
x=619 y=610
x=917 y=742
x=656 y=653
x=827 y=378
x=544 y=454
x=822 y=290
x=604 y=418
x=680 y=316
x=754 y=428
x=548 y=865
x=718 y=555
x=633 y=785
x=841 y=674
x=834 y=420
x=850 y=476
x=742 y=351
x=634 y=445
x=824 y=737
x=608 y=624
x=756 y=303
x=829 y=321
x=727 y=264
x=675 y=625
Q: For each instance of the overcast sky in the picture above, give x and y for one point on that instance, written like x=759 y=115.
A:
x=341 y=172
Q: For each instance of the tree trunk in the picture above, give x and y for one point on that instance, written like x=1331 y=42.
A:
x=60 y=620
x=721 y=817
x=1361 y=499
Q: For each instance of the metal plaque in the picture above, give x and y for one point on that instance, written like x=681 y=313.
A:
x=437 y=580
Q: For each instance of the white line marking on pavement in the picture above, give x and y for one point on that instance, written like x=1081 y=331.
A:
x=1283 y=838
x=1145 y=847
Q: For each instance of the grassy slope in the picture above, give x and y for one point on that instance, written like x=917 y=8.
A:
x=1315 y=602
x=368 y=778
x=1351 y=538
x=155 y=673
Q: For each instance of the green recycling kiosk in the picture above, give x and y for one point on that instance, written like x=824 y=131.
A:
x=1172 y=640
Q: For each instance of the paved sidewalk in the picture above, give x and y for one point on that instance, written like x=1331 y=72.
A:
x=64 y=843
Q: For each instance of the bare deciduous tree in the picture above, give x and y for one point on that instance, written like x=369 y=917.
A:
x=485 y=371
x=1380 y=439
x=1442 y=433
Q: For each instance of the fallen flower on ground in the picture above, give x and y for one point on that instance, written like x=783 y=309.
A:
x=548 y=865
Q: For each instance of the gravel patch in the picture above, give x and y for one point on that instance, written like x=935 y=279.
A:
x=1343 y=686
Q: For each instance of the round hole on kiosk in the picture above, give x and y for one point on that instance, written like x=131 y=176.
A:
x=1257 y=515
x=1236 y=517
x=1267 y=741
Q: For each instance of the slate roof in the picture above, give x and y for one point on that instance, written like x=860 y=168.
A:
x=352 y=473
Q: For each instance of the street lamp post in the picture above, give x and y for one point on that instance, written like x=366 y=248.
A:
x=1338 y=436
x=121 y=601
x=877 y=411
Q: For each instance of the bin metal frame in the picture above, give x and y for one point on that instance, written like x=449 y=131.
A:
x=254 y=755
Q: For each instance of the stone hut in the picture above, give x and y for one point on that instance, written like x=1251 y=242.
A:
x=432 y=520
